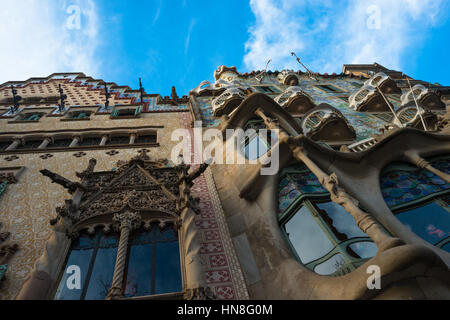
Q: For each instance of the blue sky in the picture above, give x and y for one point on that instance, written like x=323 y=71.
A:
x=182 y=42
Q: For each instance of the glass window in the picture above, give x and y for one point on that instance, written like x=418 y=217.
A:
x=431 y=222
x=326 y=239
x=256 y=145
x=95 y=256
x=329 y=88
x=309 y=240
x=152 y=266
x=154 y=263
x=419 y=199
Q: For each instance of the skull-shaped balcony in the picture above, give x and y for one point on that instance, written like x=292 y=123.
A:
x=411 y=116
x=368 y=99
x=384 y=83
x=424 y=97
x=288 y=78
x=295 y=101
x=327 y=124
x=229 y=100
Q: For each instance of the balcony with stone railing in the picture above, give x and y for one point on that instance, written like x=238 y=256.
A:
x=384 y=83
x=423 y=96
x=326 y=123
x=229 y=100
x=288 y=77
x=295 y=101
x=368 y=99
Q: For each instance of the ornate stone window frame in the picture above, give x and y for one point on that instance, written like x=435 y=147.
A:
x=126 y=214
x=138 y=109
x=71 y=110
x=18 y=117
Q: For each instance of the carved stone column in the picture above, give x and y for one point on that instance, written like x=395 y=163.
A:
x=104 y=140
x=14 y=145
x=339 y=195
x=133 y=137
x=194 y=265
x=414 y=157
x=75 y=141
x=45 y=143
x=125 y=223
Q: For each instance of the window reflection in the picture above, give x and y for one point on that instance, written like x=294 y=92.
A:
x=326 y=239
x=153 y=265
x=431 y=222
x=419 y=199
x=95 y=256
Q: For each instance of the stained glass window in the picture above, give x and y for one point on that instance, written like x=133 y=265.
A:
x=419 y=199
x=326 y=238
x=322 y=234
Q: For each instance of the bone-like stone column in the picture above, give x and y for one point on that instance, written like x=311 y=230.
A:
x=423 y=164
x=125 y=222
x=338 y=195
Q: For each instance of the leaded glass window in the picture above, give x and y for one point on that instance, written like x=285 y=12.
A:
x=419 y=199
x=322 y=234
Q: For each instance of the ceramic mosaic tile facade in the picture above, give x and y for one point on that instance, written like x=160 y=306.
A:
x=224 y=273
x=407 y=184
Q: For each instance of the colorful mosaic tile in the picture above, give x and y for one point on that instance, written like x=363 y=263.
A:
x=294 y=185
x=406 y=185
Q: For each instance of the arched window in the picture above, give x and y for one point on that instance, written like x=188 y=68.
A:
x=94 y=256
x=152 y=265
x=420 y=199
x=255 y=144
x=323 y=236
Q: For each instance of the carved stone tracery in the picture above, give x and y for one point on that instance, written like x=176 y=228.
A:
x=139 y=192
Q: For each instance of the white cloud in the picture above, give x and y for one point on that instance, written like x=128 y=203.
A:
x=37 y=39
x=327 y=34
x=188 y=37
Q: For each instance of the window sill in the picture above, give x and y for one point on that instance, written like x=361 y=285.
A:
x=85 y=119
x=125 y=117
x=23 y=121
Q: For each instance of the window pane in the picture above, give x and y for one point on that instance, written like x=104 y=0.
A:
x=331 y=265
x=446 y=247
x=431 y=222
x=103 y=270
x=139 y=273
x=308 y=239
x=342 y=220
x=255 y=149
x=168 y=269
x=80 y=258
x=364 y=250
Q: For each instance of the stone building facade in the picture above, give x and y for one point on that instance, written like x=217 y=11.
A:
x=88 y=188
